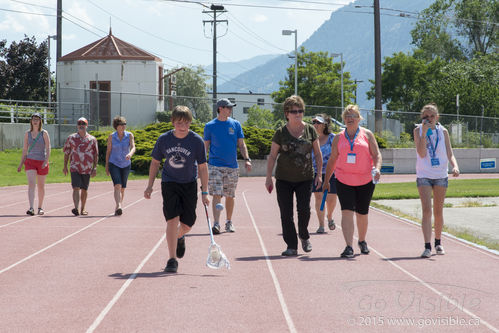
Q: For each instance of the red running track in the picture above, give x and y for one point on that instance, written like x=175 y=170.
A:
x=60 y=273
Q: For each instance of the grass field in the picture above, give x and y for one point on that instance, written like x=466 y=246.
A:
x=457 y=188
x=11 y=158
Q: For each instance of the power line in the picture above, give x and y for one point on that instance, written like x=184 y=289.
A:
x=23 y=12
x=32 y=4
x=147 y=32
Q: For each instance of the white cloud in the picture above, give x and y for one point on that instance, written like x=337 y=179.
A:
x=11 y=24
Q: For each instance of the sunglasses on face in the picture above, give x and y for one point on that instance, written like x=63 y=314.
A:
x=295 y=111
x=122 y=124
x=82 y=123
x=351 y=116
x=315 y=122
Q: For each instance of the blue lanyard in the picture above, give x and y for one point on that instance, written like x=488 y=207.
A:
x=352 y=142
x=433 y=149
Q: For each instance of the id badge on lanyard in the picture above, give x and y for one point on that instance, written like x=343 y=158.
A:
x=351 y=157
x=435 y=162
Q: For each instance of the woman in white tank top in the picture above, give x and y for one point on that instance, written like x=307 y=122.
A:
x=434 y=152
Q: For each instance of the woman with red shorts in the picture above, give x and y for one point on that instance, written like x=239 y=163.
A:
x=35 y=157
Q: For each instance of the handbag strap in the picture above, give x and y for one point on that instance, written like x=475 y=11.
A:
x=34 y=141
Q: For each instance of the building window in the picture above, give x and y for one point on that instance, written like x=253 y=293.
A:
x=246 y=109
x=260 y=101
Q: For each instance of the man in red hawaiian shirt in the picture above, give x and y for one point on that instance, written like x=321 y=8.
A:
x=81 y=149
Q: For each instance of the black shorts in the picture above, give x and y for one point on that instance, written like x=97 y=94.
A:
x=332 y=184
x=180 y=200
x=80 y=180
x=356 y=198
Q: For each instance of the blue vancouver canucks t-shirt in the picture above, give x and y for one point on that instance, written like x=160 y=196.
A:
x=182 y=156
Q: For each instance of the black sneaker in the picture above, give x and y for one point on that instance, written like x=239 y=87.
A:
x=363 y=247
x=348 y=253
x=171 y=266
x=181 y=247
x=289 y=252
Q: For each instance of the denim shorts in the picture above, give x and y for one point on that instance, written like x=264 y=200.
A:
x=119 y=175
x=444 y=182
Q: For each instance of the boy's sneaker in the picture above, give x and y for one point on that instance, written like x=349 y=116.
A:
x=171 y=266
x=426 y=253
x=181 y=247
x=363 y=247
x=216 y=228
x=229 y=227
x=290 y=252
x=306 y=245
x=348 y=252
x=439 y=249
x=331 y=224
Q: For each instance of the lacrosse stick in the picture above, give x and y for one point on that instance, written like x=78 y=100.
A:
x=216 y=258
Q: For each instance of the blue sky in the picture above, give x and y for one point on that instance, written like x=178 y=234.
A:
x=173 y=31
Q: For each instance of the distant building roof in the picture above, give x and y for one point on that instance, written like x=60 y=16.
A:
x=109 y=48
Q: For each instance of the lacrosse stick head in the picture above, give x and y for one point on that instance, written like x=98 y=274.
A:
x=216 y=258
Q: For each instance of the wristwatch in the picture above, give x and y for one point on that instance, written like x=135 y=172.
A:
x=247 y=159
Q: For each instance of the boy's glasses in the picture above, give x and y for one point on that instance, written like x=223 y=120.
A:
x=295 y=111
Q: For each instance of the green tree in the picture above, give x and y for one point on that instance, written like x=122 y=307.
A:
x=319 y=82
x=23 y=70
x=477 y=83
x=406 y=81
x=191 y=84
x=457 y=29
x=260 y=117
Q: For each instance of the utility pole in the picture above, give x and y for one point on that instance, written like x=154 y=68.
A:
x=214 y=9
x=378 y=114
x=59 y=29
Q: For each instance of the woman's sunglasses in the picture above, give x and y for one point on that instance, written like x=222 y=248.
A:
x=295 y=111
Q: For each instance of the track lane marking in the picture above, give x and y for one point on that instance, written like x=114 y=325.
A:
x=125 y=285
x=277 y=286
x=51 y=211
x=63 y=239
x=47 y=196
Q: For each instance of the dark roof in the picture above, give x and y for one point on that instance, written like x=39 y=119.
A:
x=109 y=48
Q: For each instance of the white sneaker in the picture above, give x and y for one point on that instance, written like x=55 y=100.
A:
x=229 y=227
x=440 y=249
x=426 y=253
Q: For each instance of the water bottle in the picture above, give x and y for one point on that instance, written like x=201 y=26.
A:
x=373 y=174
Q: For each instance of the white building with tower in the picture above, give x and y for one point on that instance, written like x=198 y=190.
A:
x=110 y=77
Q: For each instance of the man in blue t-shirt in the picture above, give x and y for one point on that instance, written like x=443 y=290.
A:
x=185 y=156
x=222 y=136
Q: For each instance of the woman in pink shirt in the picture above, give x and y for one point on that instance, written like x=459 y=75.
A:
x=355 y=158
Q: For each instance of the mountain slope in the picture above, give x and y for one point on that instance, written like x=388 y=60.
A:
x=349 y=30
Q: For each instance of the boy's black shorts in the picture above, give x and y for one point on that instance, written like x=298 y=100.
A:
x=180 y=200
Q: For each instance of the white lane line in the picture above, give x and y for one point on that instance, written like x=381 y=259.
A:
x=450 y=300
x=47 y=196
x=51 y=211
x=125 y=285
x=277 y=286
x=479 y=248
x=63 y=239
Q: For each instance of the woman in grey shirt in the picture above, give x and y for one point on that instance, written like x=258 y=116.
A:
x=35 y=157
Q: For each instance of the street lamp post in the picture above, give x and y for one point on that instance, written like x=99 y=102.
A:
x=287 y=33
x=341 y=59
